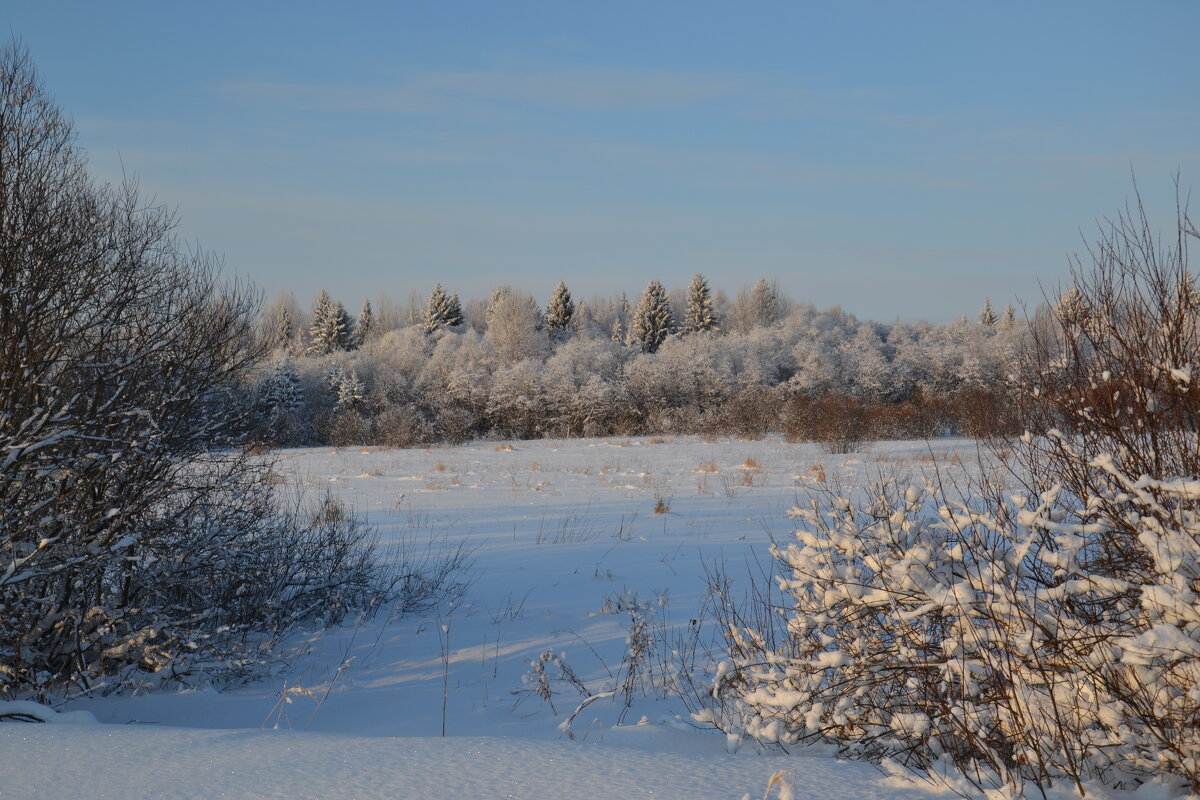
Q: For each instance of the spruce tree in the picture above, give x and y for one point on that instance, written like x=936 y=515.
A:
x=366 y=324
x=652 y=322
x=285 y=329
x=332 y=328
x=280 y=392
x=1010 y=316
x=454 y=313
x=441 y=311
x=617 y=334
x=700 y=315
x=350 y=391
x=560 y=310
x=986 y=315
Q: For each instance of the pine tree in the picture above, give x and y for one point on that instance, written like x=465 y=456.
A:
x=366 y=324
x=332 y=329
x=652 y=322
x=986 y=315
x=441 y=311
x=561 y=309
x=1010 y=316
x=700 y=314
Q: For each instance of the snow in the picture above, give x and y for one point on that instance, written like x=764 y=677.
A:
x=568 y=554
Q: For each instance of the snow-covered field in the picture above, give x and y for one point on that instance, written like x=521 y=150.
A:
x=567 y=537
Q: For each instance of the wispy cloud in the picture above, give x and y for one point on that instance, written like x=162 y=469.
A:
x=579 y=89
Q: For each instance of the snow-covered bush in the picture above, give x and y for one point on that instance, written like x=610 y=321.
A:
x=139 y=537
x=1045 y=632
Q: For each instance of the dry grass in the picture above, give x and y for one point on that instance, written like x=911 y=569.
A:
x=504 y=448
x=661 y=506
x=709 y=467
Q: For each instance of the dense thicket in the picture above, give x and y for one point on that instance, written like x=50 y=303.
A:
x=136 y=533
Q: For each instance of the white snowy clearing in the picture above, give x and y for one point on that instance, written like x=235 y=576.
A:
x=568 y=552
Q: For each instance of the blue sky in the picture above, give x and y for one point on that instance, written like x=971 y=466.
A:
x=899 y=159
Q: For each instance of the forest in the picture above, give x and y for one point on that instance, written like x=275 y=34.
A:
x=694 y=361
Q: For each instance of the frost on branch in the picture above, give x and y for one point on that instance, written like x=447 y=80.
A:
x=1046 y=634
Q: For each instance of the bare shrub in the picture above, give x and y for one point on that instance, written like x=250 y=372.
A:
x=838 y=422
x=350 y=428
x=403 y=426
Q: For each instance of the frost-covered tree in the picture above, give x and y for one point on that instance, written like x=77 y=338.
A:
x=332 y=329
x=441 y=311
x=365 y=327
x=561 y=310
x=280 y=402
x=986 y=315
x=1010 y=316
x=652 y=322
x=139 y=538
x=756 y=307
x=581 y=320
x=617 y=332
x=285 y=329
x=515 y=327
x=350 y=391
x=281 y=392
x=700 y=315
x=764 y=302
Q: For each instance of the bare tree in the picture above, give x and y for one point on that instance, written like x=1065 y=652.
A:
x=130 y=515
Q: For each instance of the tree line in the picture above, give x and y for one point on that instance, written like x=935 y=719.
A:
x=689 y=361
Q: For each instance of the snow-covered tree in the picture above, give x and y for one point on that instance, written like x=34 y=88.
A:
x=581 y=320
x=764 y=302
x=652 y=322
x=140 y=539
x=281 y=392
x=561 y=310
x=285 y=329
x=515 y=327
x=700 y=315
x=441 y=311
x=366 y=324
x=1010 y=316
x=350 y=391
x=617 y=332
x=986 y=315
x=332 y=329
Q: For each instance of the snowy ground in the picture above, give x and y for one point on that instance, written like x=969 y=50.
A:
x=565 y=538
